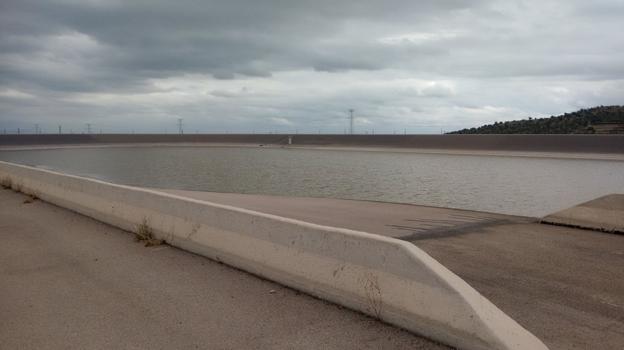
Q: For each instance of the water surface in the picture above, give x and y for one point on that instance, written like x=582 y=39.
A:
x=511 y=185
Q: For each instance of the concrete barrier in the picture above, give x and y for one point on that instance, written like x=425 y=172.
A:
x=380 y=276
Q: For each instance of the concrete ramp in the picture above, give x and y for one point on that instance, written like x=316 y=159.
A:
x=601 y=214
x=387 y=278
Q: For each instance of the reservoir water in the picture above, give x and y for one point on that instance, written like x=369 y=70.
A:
x=510 y=185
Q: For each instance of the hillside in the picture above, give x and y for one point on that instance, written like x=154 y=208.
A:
x=584 y=121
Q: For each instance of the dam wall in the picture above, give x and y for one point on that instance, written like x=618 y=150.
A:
x=386 y=278
x=606 y=144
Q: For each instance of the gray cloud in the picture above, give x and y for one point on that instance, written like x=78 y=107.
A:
x=412 y=64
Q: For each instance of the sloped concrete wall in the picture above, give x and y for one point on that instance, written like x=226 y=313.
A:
x=383 y=277
x=601 y=214
x=605 y=144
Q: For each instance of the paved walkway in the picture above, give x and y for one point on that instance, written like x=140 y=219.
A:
x=564 y=285
x=69 y=282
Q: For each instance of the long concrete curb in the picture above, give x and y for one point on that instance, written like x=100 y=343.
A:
x=380 y=276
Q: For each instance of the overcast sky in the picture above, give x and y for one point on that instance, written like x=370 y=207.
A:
x=288 y=65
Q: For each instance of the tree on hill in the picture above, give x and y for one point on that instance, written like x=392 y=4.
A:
x=584 y=121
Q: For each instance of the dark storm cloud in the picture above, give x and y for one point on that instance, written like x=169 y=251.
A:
x=73 y=55
x=223 y=38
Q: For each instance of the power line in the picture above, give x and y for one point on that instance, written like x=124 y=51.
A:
x=351 y=121
x=180 y=129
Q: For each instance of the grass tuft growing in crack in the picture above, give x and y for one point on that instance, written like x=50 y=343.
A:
x=31 y=198
x=6 y=183
x=145 y=234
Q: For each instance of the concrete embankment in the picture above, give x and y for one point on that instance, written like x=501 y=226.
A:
x=70 y=282
x=602 y=214
x=591 y=144
x=403 y=221
x=384 y=277
x=564 y=285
